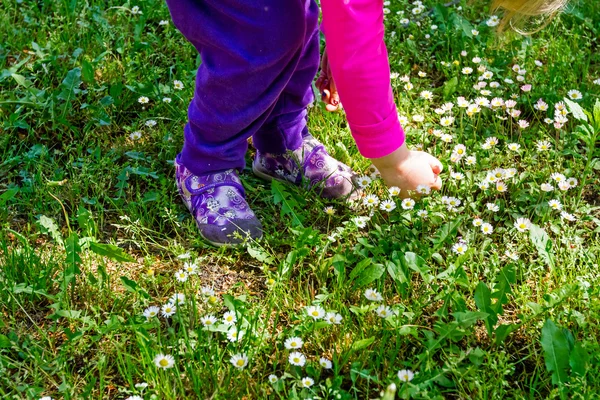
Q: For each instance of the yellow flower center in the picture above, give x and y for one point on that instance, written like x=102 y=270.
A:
x=240 y=362
x=164 y=362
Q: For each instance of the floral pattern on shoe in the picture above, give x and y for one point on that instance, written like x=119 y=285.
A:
x=217 y=203
x=311 y=161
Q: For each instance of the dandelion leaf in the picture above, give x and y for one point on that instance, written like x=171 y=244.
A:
x=542 y=243
x=578 y=359
x=556 y=352
x=111 y=251
x=289 y=204
x=576 y=110
x=51 y=228
x=362 y=344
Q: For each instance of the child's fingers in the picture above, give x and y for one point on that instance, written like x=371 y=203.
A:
x=333 y=99
x=437 y=183
x=436 y=165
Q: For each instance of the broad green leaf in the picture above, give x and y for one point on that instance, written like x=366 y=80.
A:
x=111 y=251
x=73 y=258
x=51 y=228
x=260 y=254
x=416 y=263
x=133 y=287
x=339 y=267
x=576 y=110
x=578 y=359
x=364 y=263
x=396 y=272
x=369 y=275
x=361 y=344
x=450 y=331
x=476 y=356
x=466 y=319
x=542 y=243
x=5 y=342
x=556 y=352
x=69 y=314
x=21 y=81
x=87 y=72
x=289 y=204
x=7 y=195
x=483 y=301
x=505 y=278
x=503 y=331
x=447 y=231
x=450 y=87
x=597 y=115
x=70 y=85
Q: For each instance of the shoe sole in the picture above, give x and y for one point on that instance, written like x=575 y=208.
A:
x=355 y=193
x=264 y=176
x=219 y=244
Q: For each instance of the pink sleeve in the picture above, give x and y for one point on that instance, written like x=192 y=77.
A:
x=360 y=67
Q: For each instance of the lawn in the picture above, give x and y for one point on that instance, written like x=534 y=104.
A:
x=489 y=289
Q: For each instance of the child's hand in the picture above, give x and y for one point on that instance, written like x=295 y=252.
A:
x=326 y=85
x=407 y=169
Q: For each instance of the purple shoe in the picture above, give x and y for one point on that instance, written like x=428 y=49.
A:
x=333 y=178
x=217 y=203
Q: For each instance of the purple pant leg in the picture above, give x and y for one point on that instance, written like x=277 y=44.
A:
x=286 y=125
x=250 y=51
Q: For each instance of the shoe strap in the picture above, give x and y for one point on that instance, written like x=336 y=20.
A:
x=212 y=181
x=313 y=151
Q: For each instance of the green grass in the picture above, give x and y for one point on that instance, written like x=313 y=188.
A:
x=93 y=230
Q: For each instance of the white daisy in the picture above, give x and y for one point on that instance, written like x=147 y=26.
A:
x=487 y=229
x=555 y=204
x=208 y=320
x=135 y=135
x=574 y=95
x=460 y=248
x=363 y=181
x=239 y=360
x=297 y=358
x=177 y=299
x=373 y=295
x=307 y=382
x=408 y=204
x=151 y=312
x=181 y=275
x=383 y=311
x=406 y=375
x=168 y=310
x=315 y=312
x=387 y=205
x=333 y=318
x=522 y=224
x=546 y=187
x=293 y=343
x=229 y=318
x=164 y=361
x=177 y=85
x=371 y=200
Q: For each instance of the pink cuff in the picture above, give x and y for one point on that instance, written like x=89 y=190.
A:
x=380 y=139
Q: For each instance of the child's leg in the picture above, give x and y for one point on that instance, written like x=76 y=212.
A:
x=250 y=50
x=285 y=129
x=286 y=125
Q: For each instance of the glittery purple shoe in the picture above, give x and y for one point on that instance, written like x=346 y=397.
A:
x=217 y=203
x=332 y=178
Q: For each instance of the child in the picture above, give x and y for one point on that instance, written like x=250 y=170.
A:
x=259 y=59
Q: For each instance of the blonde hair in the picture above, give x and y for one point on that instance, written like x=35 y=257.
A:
x=518 y=12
